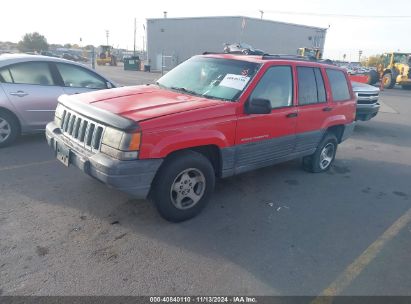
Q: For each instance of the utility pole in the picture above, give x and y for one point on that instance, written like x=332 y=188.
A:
x=107 y=35
x=145 y=56
x=262 y=13
x=135 y=29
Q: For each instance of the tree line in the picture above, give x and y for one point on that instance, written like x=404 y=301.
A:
x=35 y=42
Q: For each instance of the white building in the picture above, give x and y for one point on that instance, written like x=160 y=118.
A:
x=180 y=38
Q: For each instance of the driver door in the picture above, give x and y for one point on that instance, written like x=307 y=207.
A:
x=266 y=139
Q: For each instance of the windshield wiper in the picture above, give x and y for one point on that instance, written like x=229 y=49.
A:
x=160 y=85
x=184 y=90
x=217 y=98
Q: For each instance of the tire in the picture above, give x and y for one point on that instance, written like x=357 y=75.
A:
x=9 y=129
x=372 y=77
x=183 y=174
x=315 y=163
x=388 y=81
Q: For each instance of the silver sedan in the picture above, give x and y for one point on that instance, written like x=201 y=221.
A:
x=30 y=86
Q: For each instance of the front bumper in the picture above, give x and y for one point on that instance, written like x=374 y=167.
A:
x=131 y=177
x=367 y=111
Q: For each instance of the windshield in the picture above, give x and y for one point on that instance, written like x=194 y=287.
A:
x=217 y=78
x=401 y=58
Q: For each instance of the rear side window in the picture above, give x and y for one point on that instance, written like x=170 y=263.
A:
x=311 y=88
x=277 y=86
x=339 y=86
x=31 y=73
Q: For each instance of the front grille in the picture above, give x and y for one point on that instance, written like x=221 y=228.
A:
x=367 y=98
x=84 y=131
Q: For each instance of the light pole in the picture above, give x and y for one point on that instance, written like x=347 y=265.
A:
x=359 y=55
x=135 y=29
x=107 y=34
x=262 y=13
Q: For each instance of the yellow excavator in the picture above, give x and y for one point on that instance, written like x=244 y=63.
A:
x=394 y=68
x=106 y=56
x=310 y=52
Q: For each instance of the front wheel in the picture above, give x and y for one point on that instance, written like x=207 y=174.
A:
x=183 y=186
x=388 y=81
x=323 y=157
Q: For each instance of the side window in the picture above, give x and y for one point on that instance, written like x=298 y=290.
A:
x=322 y=97
x=311 y=88
x=30 y=73
x=339 y=86
x=5 y=76
x=74 y=76
x=277 y=86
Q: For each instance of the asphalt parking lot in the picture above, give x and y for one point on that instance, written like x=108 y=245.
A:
x=275 y=231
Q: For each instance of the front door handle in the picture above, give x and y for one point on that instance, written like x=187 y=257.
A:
x=290 y=115
x=19 y=93
x=327 y=109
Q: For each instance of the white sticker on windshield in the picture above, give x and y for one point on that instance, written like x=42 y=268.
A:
x=234 y=81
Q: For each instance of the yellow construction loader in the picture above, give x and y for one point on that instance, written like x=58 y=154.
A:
x=106 y=56
x=310 y=52
x=394 y=68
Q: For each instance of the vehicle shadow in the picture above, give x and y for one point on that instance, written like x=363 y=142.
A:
x=29 y=140
x=383 y=132
x=294 y=232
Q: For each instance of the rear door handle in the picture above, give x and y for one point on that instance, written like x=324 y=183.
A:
x=19 y=93
x=327 y=109
x=290 y=115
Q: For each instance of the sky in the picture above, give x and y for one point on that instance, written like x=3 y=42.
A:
x=67 y=21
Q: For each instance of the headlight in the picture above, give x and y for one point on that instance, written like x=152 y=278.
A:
x=112 y=137
x=58 y=115
x=121 y=145
x=59 y=111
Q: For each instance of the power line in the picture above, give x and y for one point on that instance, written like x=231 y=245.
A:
x=339 y=15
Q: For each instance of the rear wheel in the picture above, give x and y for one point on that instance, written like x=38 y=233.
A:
x=9 y=129
x=183 y=186
x=388 y=81
x=323 y=157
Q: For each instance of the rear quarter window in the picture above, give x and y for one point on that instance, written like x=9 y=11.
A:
x=5 y=76
x=338 y=84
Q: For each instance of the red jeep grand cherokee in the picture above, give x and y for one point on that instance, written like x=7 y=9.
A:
x=212 y=116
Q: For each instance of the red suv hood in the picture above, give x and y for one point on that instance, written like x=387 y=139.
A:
x=144 y=102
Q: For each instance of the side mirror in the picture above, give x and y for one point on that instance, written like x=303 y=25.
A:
x=258 y=106
x=109 y=85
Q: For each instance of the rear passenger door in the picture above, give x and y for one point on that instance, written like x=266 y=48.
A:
x=31 y=88
x=313 y=108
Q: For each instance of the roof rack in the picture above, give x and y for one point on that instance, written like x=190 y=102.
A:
x=288 y=57
x=223 y=53
x=212 y=53
x=278 y=56
x=297 y=58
